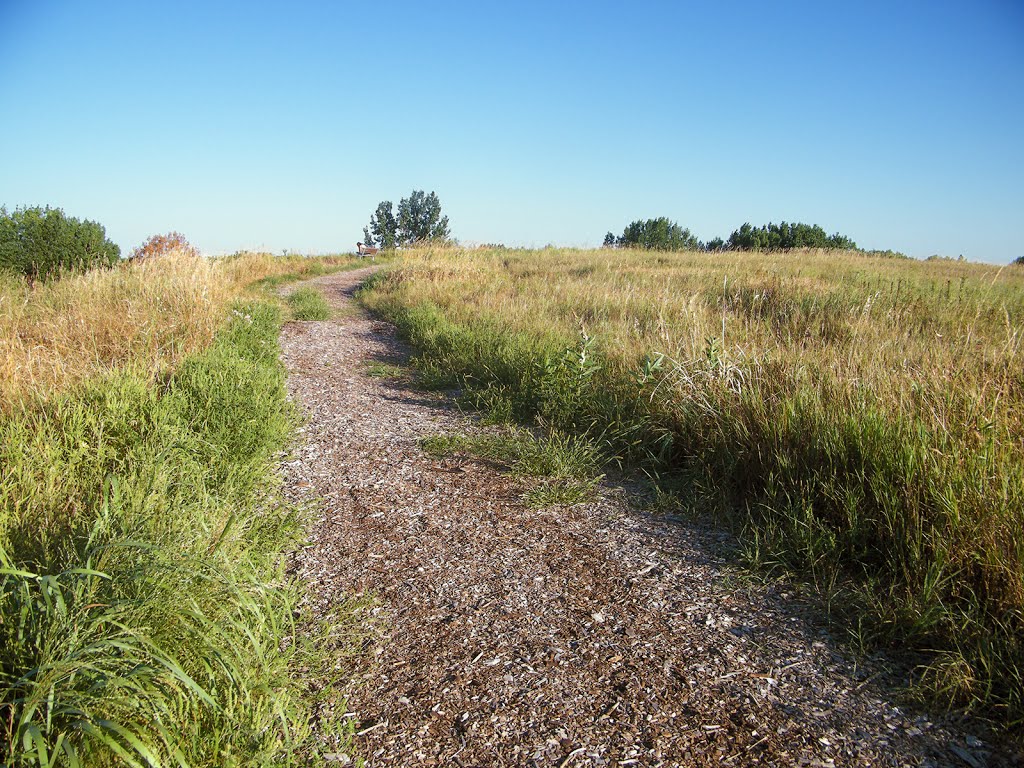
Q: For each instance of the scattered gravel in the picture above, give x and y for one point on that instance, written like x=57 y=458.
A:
x=590 y=635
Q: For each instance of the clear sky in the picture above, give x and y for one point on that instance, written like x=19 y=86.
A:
x=282 y=125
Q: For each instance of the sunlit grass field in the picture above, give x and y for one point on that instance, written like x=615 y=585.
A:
x=859 y=419
x=145 y=616
x=145 y=316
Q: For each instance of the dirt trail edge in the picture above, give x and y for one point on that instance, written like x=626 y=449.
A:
x=591 y=635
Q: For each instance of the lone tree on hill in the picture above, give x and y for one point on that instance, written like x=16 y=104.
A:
x=418 y=220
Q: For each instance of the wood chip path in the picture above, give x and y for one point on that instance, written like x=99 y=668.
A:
x=591 y=635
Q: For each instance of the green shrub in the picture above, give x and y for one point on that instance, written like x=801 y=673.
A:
x=657 y=234
x=41 y=242
x=774 y=237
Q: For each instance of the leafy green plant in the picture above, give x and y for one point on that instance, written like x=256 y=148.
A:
x=385 y=371
x=418 y=220
x=785 y=235
x=657 y=234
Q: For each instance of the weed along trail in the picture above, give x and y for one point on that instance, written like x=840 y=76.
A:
x=593 y=634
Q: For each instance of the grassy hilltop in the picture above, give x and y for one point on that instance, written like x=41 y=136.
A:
x=859 y=419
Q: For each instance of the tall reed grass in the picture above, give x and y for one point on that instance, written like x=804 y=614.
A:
x=860 y=420
x=145 y=618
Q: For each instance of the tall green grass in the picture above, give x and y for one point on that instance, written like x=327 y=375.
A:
x=859 y=420
x=144 y=615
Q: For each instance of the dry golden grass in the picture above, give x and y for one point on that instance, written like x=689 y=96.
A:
x=145 y=314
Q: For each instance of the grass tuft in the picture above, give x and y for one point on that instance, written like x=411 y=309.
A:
x=308 y=304
x=568 y=466
x=386 y=371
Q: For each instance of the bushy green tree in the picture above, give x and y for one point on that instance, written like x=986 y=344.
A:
x=383 y=229
x=420 y=219
x=1019 y=261
x=42 y=242
x=658 y=234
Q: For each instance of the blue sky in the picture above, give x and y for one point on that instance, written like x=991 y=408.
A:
x=282 y=125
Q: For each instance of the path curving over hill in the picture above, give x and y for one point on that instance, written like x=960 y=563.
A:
x=592 y=635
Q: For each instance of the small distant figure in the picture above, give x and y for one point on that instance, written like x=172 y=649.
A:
x=367 y=250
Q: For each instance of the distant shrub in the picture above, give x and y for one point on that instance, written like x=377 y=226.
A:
x=1019 y=261
x=665 y=235
x=776 y=237
x=40 y=242
x=161 y=245
x=887 y=254
x=656 y=234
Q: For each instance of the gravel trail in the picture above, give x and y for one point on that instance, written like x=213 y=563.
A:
x=590 y=635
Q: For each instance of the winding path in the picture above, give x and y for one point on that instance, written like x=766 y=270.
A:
x=591 y=635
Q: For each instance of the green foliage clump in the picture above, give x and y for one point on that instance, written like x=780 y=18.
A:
x=1019 y=261
x=418 y=220
x=308 y=304
x=665 y=235
x=783 y=236
x=655 y=234
x=42 y=242
x=383 y=228
x=146 y=617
